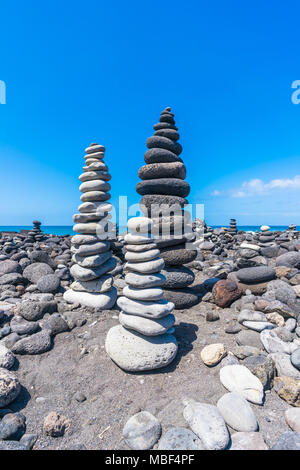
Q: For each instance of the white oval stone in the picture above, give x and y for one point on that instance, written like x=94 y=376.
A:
x=145 y=280
x=147 y=267
x=237 y=378
x=140 y=257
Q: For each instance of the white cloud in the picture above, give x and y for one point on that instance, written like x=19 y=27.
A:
x=216 y=193
x=258 y=187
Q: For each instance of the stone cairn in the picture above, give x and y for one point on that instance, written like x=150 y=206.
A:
x=92 y=257
x=163 y=187
x=36 y=234
x=143 y=340
x=265 y=237
x=232 y=226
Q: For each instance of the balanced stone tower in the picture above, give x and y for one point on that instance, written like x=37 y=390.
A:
x=36 y=234
x=232 y=226
x=143 y=340
x=92 y=257
x=164 y=192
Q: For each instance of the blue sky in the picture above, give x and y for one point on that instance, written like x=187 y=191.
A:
x=95 y=71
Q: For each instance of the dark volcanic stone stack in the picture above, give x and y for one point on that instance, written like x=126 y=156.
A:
x=163 y=183
x=36 y=233
x=232 y=226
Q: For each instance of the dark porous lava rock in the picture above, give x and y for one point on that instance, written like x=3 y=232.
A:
x=162 y=170
x=181 y=298
x=168 y=186
x=178 y=277
x=35 y=271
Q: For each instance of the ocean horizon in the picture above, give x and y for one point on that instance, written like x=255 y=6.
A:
x=62 y=230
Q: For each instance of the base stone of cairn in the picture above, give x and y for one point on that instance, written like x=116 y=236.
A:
x=232 y=226
x=143 y=340
x=92 y=257
x=163 y=186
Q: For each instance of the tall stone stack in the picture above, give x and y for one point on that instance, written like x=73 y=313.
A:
x=164 y=190
x=143 y=340
x=232 y=227
x=92 y=257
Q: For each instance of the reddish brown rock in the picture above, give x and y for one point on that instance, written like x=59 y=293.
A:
x=225 y=292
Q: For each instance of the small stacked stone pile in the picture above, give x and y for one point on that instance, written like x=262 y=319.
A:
x=36 y=234
x=92 y=257
x=232 y=226
x=266 y=238
x=143 y=340
x=163 y=186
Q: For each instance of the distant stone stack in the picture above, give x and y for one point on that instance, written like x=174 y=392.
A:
x=163 y=186
x=292 y=228
x=92 y=257
x=36 y=234
x=143 y=340
x=232 y=227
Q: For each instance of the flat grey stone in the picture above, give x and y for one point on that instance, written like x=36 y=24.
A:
x=144 y=281
x=103 y=301
x=180 y=439
x=284 y=365
x=237 y=412
x=247 y=441
x=147 y=326
x=208 y=424
x=157 y=309
x=142 y=431
x=287 y=441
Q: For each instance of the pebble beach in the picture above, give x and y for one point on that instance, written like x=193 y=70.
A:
x=137 y=340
